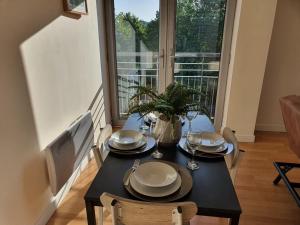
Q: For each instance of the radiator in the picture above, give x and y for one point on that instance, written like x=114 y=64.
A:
x=67 y=151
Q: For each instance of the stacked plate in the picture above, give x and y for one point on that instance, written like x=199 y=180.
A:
x=207 y=142
x=155 y=179
x=127 y=141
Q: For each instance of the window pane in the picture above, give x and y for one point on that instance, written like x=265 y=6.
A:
x=199 y=35
x=137 y=44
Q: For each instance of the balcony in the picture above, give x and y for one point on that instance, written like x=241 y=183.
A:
x=194 y=69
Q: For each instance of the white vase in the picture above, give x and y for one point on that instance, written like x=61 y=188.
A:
x=169 y=133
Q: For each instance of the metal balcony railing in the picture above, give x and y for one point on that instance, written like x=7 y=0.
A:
x=195 y=70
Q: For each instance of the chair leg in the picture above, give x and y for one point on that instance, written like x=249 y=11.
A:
x=100 y=213
x=277 y=179
x=97 y=155
x=284 y=171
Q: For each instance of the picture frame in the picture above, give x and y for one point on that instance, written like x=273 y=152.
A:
x=76 y=6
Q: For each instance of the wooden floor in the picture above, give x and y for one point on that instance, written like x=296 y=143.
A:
x=262 y=202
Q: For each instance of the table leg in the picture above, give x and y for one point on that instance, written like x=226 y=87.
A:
x=90 y=213
x=234 y=220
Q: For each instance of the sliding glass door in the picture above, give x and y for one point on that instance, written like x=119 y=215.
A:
x=198 y=47
x=152 y=43
x=137 y=48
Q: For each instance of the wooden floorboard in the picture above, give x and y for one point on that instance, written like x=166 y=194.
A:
x=262 y=202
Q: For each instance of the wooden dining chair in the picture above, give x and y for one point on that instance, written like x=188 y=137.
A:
x=100 y=155
x=232 y=160
x=131 y=212
x=98 y=148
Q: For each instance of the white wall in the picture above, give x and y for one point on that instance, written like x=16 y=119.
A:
x=282 y=76
x=50 y=73
x=251 y=37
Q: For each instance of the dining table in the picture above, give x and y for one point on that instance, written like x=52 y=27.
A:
x=212 y=190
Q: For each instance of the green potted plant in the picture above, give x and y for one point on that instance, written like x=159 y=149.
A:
x=176 y=101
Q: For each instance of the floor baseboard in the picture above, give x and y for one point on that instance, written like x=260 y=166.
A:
x=270 y=127
x=245 y=138
x=46 y=213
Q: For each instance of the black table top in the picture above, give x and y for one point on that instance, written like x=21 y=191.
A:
x=212 y=191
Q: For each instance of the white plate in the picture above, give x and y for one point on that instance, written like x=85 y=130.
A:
x=182 y=145
x=207 y=139
x=149 y=145
x=155 y=191
x=216 y=149
x=155 y=174
x=126 y=137
x=135 y=146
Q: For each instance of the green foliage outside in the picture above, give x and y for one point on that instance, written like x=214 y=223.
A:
x=199 y=28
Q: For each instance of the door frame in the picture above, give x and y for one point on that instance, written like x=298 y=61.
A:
x=171 y=39
x=225 y=61
x=111 y=54
x=161 y=82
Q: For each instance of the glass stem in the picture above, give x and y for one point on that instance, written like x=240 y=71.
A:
x=190 y=126
x=193 y=157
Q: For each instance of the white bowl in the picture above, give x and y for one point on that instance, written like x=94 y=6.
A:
x=155 y=191
x=128 y=147
x=126 y=137
x=155 y=174
x=208 y=139
x=215 y=149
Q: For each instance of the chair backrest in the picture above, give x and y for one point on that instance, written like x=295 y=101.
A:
x=131 y=212
x=232 y=160
x=98 y=148
x=230 y=137
x=233 y=170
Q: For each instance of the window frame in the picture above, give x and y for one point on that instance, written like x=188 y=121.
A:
x=166 y=52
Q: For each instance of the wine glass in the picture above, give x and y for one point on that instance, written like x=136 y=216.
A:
x=190 y=115
x=191 y=164
x=144 y=127
x=156 y=154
